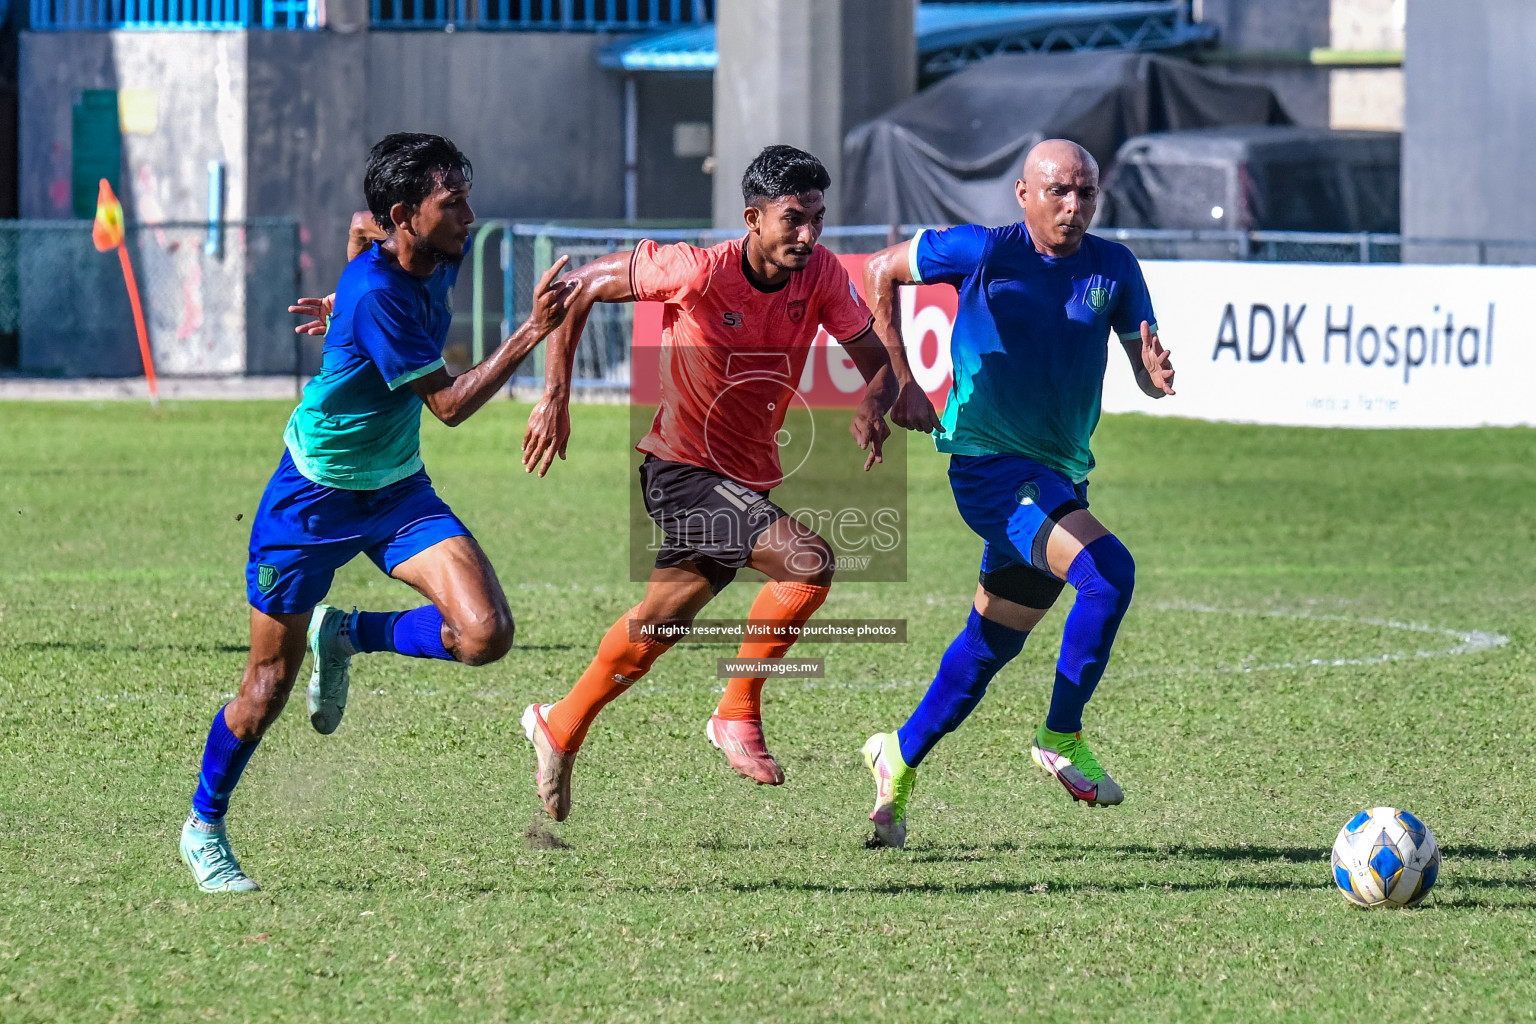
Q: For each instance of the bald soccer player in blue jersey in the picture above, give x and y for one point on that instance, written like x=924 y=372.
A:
x=1037 y=301
x=351 y=481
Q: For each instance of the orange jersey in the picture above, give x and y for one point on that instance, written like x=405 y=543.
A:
x=732 y=354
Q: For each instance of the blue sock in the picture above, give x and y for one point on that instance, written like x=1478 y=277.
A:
x=371 y=632
x=224 y=758
x=418 y=633
x=973 y=658
x=1104 y=575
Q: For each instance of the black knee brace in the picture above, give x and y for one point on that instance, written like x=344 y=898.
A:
x=1023 y=584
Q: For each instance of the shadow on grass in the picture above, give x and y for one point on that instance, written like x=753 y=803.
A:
x=1514 y=888
x=1239 y=853
x=1488 y=852
x=692 y=887
x=96 y=646
x=1021 y=887
x=1487 y=894
x=970 y=854
x=1433 y=902
x=1077 y=851
x=1457 y=892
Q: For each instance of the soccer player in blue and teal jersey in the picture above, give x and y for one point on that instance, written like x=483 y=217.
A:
x=1037 y=301
x=351 y=481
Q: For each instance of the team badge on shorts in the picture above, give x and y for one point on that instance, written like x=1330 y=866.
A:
x=1098 y=298
x=266 y=577
x=796 y=310
x=1029 y=493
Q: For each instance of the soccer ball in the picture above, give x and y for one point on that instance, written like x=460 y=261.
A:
x=1385 y=857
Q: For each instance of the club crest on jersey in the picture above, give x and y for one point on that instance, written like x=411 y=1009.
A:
x=796 y=310
x=733 y=320
x=1098 y=299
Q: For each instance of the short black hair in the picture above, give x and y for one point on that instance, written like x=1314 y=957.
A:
x=781 y=171
x=406 y=167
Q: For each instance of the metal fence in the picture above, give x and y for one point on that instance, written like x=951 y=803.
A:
x=1053 y=28
x=545 y=15
x=215 y=298
x=1266 y=246
x=602 y=358
x=191 y=15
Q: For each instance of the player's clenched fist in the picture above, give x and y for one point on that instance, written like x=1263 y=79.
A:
x=913 y=410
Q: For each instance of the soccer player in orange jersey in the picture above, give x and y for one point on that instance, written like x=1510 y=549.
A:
x=711 y=456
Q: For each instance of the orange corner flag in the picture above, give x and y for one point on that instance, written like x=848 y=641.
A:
x=107 y=231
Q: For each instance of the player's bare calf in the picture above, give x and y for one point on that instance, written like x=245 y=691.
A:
x=766 y=294
x=351 y=480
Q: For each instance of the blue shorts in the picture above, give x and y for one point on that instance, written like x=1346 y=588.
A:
x=304 y=532
x=1006 y=500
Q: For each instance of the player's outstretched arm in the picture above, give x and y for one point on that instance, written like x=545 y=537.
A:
x=1151 y=363
x=884 y=273
x=362 y=233
x=454 y=399
x=605 y=279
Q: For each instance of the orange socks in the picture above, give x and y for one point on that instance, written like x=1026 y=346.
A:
x=619 y=663
x=778 y=602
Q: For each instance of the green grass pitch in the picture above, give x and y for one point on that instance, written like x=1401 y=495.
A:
x=1253 y=705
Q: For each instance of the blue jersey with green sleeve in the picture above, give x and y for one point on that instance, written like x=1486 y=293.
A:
x=1029 y=343
x=358 y=424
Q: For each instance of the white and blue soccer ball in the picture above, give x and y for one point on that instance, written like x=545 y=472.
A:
x=1385 y=857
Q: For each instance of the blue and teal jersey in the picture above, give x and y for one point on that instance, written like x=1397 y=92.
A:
x=358 y=426
x=1029 y=344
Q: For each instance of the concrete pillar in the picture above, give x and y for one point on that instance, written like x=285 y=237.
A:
x=1469 y=104
x=346 y=17
x=879 y=58
x=803 y=72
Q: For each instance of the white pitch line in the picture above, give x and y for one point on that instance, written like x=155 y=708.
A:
x=1468 y=642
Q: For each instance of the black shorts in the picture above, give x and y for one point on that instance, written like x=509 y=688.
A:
x=707 y=519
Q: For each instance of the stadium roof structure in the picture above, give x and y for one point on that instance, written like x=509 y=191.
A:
x=951 y=36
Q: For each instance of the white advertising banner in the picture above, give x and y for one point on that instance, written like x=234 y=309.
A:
x=1341 y=345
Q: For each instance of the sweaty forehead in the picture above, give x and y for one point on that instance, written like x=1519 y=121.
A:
x=452 y=180
x=811 y=203
x=1070 y=171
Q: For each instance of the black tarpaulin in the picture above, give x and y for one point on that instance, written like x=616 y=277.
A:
x=1287 y=178
x=951 y=153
